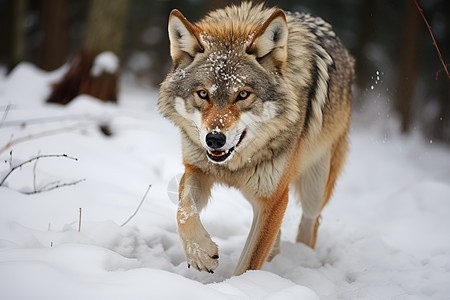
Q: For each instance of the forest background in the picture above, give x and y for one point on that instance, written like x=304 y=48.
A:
x=397 y=62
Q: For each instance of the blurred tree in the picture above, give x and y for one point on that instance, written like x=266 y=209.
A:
x=18 y=40
x=365 y=36
x=409 y=63
x=213 y=5
x=159 y=45
x=54 y=47
x=435 y=85
x=104 y=31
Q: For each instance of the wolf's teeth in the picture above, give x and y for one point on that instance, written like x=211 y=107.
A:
x=226 y=151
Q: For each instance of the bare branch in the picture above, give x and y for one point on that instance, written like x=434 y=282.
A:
x=10 y=158
x=36 y=136
x=79 y=222
x=53 y=186
x=5 y=113
x=46 y=120
x=434 y=41
x=34 y=173
x=139 y=206
x=439 y=71
x=31 y=160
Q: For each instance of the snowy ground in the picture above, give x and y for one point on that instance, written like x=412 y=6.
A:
x=384 y=235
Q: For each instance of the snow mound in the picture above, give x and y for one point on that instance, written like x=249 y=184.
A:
x=105 y=62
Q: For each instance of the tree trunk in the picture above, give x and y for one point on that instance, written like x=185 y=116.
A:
x=54 y=48
x=104 y=31
x=409 y=59
x=18 y=36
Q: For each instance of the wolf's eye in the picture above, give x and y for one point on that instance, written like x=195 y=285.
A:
x=242 y=95
x=203 y=94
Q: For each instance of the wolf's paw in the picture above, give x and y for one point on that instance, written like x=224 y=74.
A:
x=202 y=255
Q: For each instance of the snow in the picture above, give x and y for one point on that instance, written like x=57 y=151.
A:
x=224 y=62
x=105 y=62
x=384 y=235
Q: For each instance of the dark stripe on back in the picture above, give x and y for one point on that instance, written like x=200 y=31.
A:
x=311 y=93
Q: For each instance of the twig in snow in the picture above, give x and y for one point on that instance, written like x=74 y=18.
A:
x=46 y=120
x=37 y=135
x=434 y=41
x=79 y=222
x=53 y=186
x=139 y=206
x=34 y=173
x=5 y=113
x=31 y=160
x=10 y=158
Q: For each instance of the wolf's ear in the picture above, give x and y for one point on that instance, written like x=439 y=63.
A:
x=269 y=43
x=184 y=38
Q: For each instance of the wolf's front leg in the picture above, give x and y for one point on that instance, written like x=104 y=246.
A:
x=200 y=251
x=267 y=217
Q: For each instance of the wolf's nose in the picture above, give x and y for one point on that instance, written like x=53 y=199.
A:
x=215 y=140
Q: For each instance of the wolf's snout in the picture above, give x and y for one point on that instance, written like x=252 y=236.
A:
x=215 y=140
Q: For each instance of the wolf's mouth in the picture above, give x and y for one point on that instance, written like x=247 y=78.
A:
x=221 y=156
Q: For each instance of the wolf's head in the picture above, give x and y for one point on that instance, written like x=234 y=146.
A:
x=227 y=85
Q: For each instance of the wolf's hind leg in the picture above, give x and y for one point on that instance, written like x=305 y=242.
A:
x=200 y=251
x=316 y=186
x=312 y=193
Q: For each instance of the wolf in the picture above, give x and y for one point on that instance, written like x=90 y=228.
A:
x=263 y=101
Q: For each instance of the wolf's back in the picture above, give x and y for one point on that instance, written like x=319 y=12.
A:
x=319 y=64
